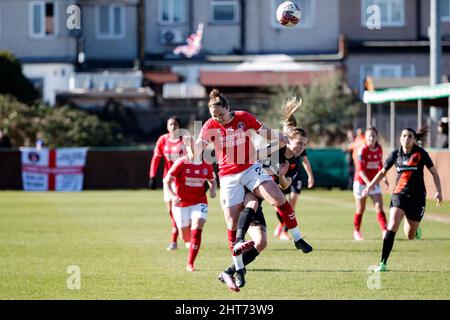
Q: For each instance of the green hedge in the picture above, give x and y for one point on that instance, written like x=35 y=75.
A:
x=57 y=127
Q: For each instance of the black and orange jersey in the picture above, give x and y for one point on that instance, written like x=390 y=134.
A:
x=273 y=162
x=409 y=170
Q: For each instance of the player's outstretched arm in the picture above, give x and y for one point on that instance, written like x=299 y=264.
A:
x=437 y=183
x=380 y=175
x=212 y=188
x=284 y=182
x=168 y=185
x=307 y=165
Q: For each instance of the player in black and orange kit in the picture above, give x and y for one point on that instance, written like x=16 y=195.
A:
x=293 y=193
x=169 y=147
x=408 y=198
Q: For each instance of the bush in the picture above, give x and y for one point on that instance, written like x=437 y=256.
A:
x=327 y=111
x=12 y=80
x=58 y=127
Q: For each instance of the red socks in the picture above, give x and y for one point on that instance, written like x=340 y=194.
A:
x=231 y=239
x=287 y=215
x=381 y=217
x=196 y=238
x=357 y=220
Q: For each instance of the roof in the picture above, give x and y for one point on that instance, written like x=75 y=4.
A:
x=259 y=78
x=408 y=93
x=161 y=77
x=387 y=83
x=265 y=71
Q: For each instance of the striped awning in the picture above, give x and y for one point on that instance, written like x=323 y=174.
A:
x=408 y=94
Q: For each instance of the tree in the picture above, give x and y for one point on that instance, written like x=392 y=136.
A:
x=12 y=80
x=58 y=127
x=327 y=111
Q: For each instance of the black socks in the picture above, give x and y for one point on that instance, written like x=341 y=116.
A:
x=388 y=243
x=244 y=223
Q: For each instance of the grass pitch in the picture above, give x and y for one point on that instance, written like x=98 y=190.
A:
x=118 y=240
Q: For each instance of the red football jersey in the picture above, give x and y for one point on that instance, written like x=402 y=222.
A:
x=170 y=150
x=370 y=161
x=232 y=143
x=190 y=181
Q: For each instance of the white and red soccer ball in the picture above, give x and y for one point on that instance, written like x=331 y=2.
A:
x=288 y=14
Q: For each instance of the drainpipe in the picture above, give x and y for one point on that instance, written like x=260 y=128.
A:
x=141 y=34
x=418 y=20
x=243 y=15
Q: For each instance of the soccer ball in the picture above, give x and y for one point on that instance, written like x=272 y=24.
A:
x=288 y=14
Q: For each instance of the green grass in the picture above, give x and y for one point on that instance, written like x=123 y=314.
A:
x=119 y=240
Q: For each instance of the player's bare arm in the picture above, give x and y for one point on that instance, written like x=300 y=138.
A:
x=437 y=183
x=380 y=175
x=307 y=165
x=284 y=182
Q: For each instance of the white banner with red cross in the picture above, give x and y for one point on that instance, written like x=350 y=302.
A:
x=53 y=169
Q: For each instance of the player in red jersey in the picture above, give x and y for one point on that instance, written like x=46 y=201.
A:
x=169 y=147
x=238 y=169
x=185 y=183
x=283 y=165
x=369 y=161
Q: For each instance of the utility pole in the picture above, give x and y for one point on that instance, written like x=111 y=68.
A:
x=435 y=59
x=435 y=42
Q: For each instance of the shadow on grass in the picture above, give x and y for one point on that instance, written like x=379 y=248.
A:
x=345 y=270
x=423 y=239
x=299 y=271
x=326 y=250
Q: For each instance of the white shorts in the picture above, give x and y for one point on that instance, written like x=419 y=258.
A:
x=358 y=189
x=232 y=186
x=166 y=192
x=184 y=215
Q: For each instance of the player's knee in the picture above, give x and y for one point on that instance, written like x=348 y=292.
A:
x=253 y=204
x=278 y=201
x=261 y=245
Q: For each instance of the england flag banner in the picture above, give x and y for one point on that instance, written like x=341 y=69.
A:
x=53 y=169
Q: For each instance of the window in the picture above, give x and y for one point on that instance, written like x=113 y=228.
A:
x=307 y=9
x=171 y=11
x=224 y=11
x=386 y=70
x=445 y=10
x=110 y=21
x=42 y=19
x=392 y=12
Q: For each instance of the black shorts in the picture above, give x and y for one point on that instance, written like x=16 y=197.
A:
x=414 y=206
x=296 y=185
x=258 y=218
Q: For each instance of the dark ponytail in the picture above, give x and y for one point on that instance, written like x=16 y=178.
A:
x=420 y=135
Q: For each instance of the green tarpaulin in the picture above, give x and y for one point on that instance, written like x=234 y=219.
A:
x=406 y=94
